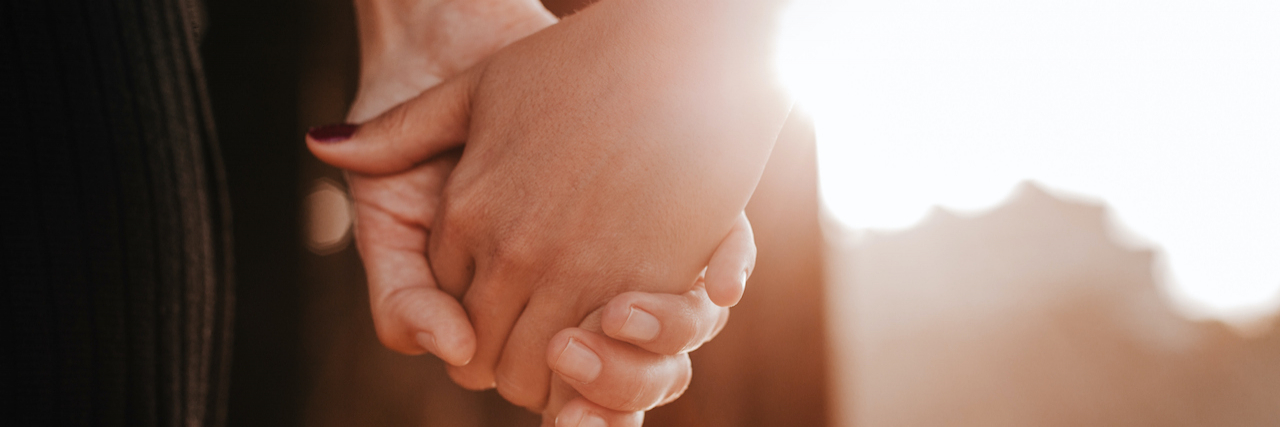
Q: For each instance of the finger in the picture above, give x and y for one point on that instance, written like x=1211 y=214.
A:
x=522 y=374
x=562 y=393
x=580 y=412
x=614 y=374
x=410 y=314
x=450 y=255
x=664 y=323
x=558 y=396
x=432 y=122
x=494 y=309
x=731 y=264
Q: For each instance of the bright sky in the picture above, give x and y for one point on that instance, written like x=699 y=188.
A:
x=1169 y=111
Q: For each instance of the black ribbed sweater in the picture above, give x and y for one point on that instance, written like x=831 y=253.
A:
x=115 y=299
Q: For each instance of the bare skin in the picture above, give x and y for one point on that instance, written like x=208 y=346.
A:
x=624 y=140
x=396 y=213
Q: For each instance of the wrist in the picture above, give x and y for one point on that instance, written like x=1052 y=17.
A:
x=407 y=46
x=440 y=37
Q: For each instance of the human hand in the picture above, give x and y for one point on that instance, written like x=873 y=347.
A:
x=595 y=164
x=407 y=47
x=653 y=369
x=412 y=315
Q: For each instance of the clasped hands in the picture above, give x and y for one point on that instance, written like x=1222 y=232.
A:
x=542 y=207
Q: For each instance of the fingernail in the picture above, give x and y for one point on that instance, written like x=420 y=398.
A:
x=640 y=326
x=585 y=419
x=745 y=274
x=592 y=420
x=578 y=362
x=333 y=133
x=428 y=341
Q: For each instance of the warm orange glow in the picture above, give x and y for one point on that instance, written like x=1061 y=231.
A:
x=1167 y=111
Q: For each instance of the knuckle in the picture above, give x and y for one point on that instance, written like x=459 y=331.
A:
x=514 y=252
x=651 y=386
x=481 y=299
x=459 y=213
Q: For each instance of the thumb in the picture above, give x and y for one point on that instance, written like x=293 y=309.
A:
x=432 y=122
x=410 y=313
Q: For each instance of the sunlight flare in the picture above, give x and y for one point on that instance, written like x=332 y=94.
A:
x=1169 y=112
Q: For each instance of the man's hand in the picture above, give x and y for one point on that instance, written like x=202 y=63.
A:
x=609 y=153
x=395 y=214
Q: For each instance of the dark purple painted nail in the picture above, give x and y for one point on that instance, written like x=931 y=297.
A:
x=333 y=133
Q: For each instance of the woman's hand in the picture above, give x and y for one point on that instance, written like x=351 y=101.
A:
x=609 y=153
x=395 y=215
x=407 y=47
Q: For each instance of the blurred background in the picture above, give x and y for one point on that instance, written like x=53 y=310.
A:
x=1042 y=294
x=1047 y=213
